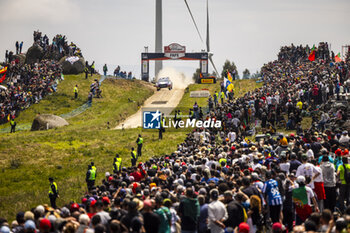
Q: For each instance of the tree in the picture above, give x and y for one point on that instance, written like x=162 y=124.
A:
x=196 y=75
x=246 y=74
x=230 y=67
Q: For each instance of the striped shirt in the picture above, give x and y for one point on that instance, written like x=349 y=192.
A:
x=271 y=190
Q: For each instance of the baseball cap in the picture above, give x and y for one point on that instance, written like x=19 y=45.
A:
x=74 y=207
x=92 y=203
x=338 y=152
x=45 y=224
x=277 y=226
x=243 y=228
x=105 y=200
x=301 y=179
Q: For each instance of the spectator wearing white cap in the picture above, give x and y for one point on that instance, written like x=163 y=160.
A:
x=344 y=138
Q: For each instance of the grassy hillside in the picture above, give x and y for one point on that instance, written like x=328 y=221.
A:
x=61 y=101
x=240 y=88
x=28 y=158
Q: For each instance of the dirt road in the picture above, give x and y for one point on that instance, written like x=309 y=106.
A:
x=161 y=99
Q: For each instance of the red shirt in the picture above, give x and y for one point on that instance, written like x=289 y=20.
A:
x=137 y=176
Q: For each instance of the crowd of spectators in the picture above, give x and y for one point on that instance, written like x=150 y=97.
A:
x=218 y=180
x=27 y=85
x=59 y=44
x=294 y=53
x=123 y=74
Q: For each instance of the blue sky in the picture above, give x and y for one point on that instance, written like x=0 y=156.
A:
x=115 y=31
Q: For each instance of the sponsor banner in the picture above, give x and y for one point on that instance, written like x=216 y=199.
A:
x=199 y=94
x=174 y=51
x=207 y=80
x=174 y=55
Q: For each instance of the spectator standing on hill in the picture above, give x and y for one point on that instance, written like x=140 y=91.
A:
x=76 y=91
x=90 y=99
x=53 y=193
x=13 y=125
x=86 y=71
x=92 y=68
x=17 y=47
x=139 y=142
x=117 y=164
x=20 y=47
x=105 y=69
x=133 y=157
x=90 y=177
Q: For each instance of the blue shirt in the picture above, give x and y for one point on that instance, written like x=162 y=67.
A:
x=202 y=220
x=215 y=179
x=272 y=192
x=329 y=158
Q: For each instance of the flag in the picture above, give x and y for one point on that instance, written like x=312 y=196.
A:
x=2 y=78
x=337 y=58
x=302 y=208
x=228 y=85
x=228 y=82
x=3 y=70
x=300 y=196
x=312 y=54
x=229 y=77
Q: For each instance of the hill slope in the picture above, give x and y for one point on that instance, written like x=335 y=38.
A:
x=28 y=158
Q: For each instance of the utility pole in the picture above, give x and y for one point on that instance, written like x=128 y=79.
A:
x=159 y=36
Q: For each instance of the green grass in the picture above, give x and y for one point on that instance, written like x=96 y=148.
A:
x=240 y=88
x=65 y=155
x=61 y=101
x=28 y=158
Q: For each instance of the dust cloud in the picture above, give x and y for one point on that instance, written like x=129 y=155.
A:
x=180 y=80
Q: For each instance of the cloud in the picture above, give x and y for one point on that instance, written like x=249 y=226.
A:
x=51 y=11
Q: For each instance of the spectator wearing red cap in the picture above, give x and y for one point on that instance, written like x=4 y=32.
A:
x=74 y=207
x=92 y=211
x=243 y=228
x=106 y=203
x=277 y=227
x=44 y=225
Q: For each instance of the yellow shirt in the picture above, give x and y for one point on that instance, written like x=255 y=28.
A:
x=300 y=105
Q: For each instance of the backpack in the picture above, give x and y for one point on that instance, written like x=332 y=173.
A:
x=346 y=175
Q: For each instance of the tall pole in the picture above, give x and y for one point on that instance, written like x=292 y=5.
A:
x=159 y=36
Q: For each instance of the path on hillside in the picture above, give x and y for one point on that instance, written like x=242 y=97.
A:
x=164 y=98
